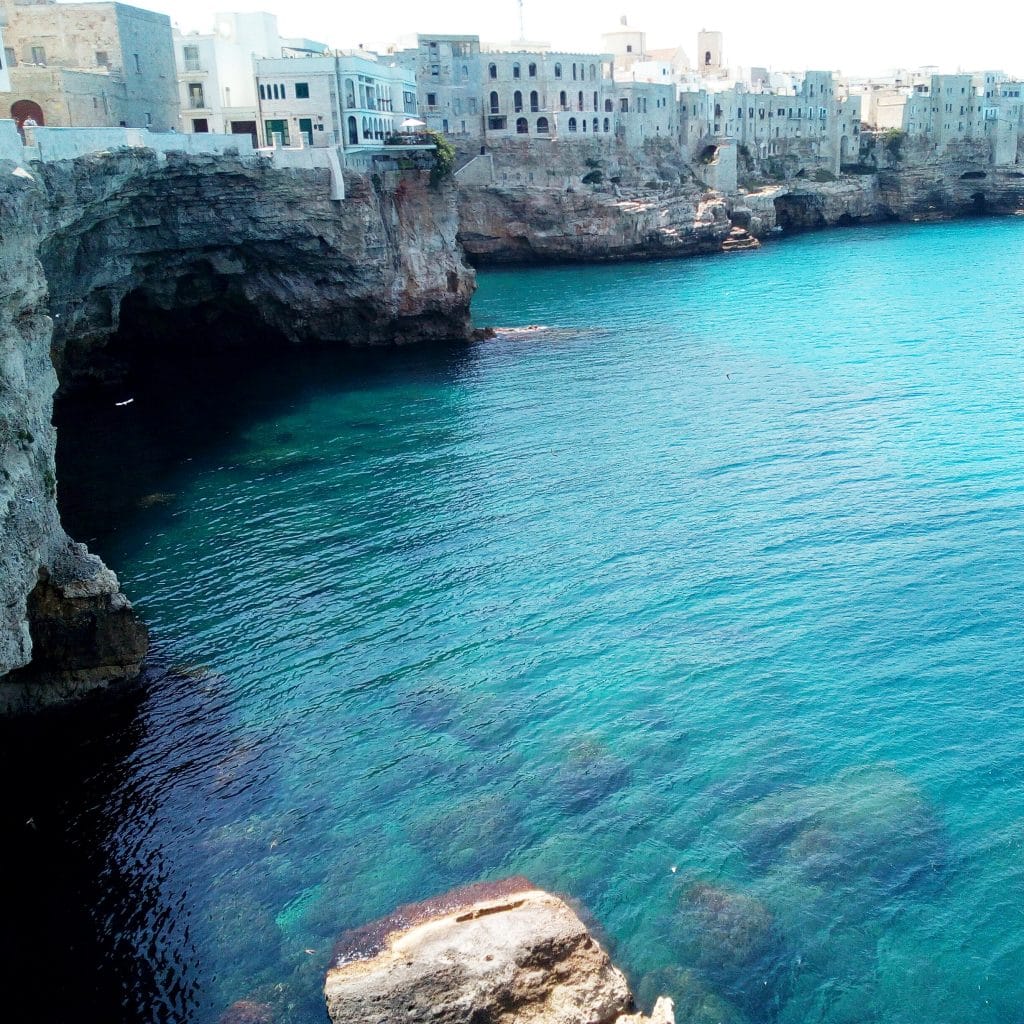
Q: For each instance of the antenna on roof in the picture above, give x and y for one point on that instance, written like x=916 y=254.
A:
x=522 y=30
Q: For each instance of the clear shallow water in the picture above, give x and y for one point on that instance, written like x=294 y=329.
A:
x=725 y=577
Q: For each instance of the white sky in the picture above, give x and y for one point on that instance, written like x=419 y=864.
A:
x=869 y=36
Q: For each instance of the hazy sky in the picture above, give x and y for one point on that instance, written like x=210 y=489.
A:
x=873 y=35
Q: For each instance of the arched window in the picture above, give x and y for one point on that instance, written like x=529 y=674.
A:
x=542 y=126
x=465 y=73
x=522 y=127
x=366 y=128
x=593 y=72
x=492 y=70
x=353 y=132
x=607 y=125
x=595 y=124
x=579 y=100
x=558 y=71
x=707 y=58
x=574 y=71
x=563 y=100
x=350 y=93
x=276 y=96
x=263 y=92
x=494 y=103
x=583 y=123
x=609 y=106
x=596 y=107
x=517 y=101
x=515 y=70
x=532 y=70
x=534 y=101
x=572 y=124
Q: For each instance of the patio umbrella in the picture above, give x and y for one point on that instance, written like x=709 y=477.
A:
x=413 y=122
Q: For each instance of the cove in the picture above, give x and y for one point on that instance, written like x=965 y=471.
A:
x=702 y=608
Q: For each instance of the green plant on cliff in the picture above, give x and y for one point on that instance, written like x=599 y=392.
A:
x=593 y=178
x=444 y=158
x=892 y=140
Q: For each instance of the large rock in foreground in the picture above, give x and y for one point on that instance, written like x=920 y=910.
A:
x=494 y=953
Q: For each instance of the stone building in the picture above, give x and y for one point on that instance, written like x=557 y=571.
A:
x=348 y=99
x=90 y=64
x=216 y=81
x=626 y=45
x=809 y=128
x=547 y=94
x=448 y=78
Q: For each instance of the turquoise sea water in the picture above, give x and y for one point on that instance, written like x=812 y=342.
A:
x=704 y=608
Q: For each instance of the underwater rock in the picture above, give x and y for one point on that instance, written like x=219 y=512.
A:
x=501 y=952
x=246 y=1011
x=590 y=773
x=731 y=936
x=694 y=1002
x=869 y=831
x=472 y=835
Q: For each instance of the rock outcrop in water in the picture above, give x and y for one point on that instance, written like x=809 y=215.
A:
x=107 y=254
x=501 y=952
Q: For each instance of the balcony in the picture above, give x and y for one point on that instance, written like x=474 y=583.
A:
x=193 y=64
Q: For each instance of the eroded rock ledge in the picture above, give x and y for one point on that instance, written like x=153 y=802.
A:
x=493 y=953
x=114 y=253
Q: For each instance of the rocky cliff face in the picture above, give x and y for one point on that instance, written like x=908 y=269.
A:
x=523 y=224
x=502 y=952
x=111 y=252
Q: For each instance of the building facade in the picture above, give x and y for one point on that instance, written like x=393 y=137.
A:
x=448 y=77
x=348 y=100
x=90 y=65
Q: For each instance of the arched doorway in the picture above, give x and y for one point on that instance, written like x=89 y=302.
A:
x=353 y=132
x=22 y=110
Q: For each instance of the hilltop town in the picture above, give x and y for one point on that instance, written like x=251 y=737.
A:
x=93 y=65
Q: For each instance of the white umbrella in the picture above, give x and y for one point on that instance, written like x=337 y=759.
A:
x=413 y=122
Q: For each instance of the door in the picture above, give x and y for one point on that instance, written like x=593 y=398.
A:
x=276 y=127
x=245 y=128
x=306 y=129
x=23 y=110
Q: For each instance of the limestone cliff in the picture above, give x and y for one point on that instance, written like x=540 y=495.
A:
x=110 y=252
x=523 y=224
x=503 y=952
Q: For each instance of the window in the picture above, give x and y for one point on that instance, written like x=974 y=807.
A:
x=302 y=90
x=190 y=55
x=595 y=124
x=435 y=70
x=579 y=100
x=609 y=106
x=542 y=126
x=534 y=101
x=200 y=125
x=558 y=71
x=624 y=105
x=532 y=70
x=517 y=101
x=196 y=99
x=431 y=99
x=38 y=55
x=353 y=132
x=572 y=124
x=149 y=120
x=138 y=65
x=472 y=104
x=103 y=60
x=12 y=61
x=607 y=124
x=497 y=124
x=263 y=91
x=495 y=107
x=563 y=100
x=276 y=128
x=593 y=72
x=522 y=126
x=629 y=47
x=350 y=93
x=515 y=70
x=492 y=70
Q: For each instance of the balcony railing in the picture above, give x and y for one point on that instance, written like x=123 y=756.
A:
x=193 y=64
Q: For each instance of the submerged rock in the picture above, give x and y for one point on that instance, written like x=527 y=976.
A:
x=501 y=952
x=591 y=773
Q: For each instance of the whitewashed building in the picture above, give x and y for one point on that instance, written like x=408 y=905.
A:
x=349 y=99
